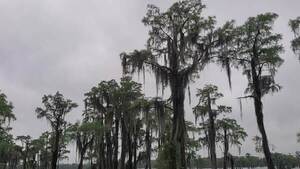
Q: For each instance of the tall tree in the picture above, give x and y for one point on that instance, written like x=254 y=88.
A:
x=295 y=43
x=229 y=133
x=54 y=111
x=7 y=145
x=207 y=108
x=181 y=42
x=258 y=55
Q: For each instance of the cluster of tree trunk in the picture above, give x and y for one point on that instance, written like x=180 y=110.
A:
x=119 y=126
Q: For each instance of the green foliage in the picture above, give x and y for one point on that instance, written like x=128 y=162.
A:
x=6 y=108
x=7 y=145
x=181 y=42
x=91 y=127
x=285 y=161
x=235 y=133
x=55 y=109
x=295 y=43
x=163 y=158
x=249 y=161
x=207 y=98
x=258 y=51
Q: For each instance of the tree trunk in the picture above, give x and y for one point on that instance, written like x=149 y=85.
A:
x=109 y=150
x=101 y=161
x=177 y=151
x=91 y=163
x=24 y=163
x=129 y=141
x=116 y=144
x=3 y=164
x=123 y=148
x=259 y=114
x=148 y=148
x=46 y=159
x=232 y=161
x=226 y=147
x=135 y=151
x=80 y=165
x=33 y=164
x=212 y=136
x=56 y=149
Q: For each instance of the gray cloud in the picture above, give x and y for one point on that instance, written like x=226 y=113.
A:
x=71 y=45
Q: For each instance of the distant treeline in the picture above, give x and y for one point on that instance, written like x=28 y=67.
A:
x=281 y=161
x=72 y=166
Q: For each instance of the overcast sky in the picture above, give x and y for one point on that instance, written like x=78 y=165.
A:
x=71 y=45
